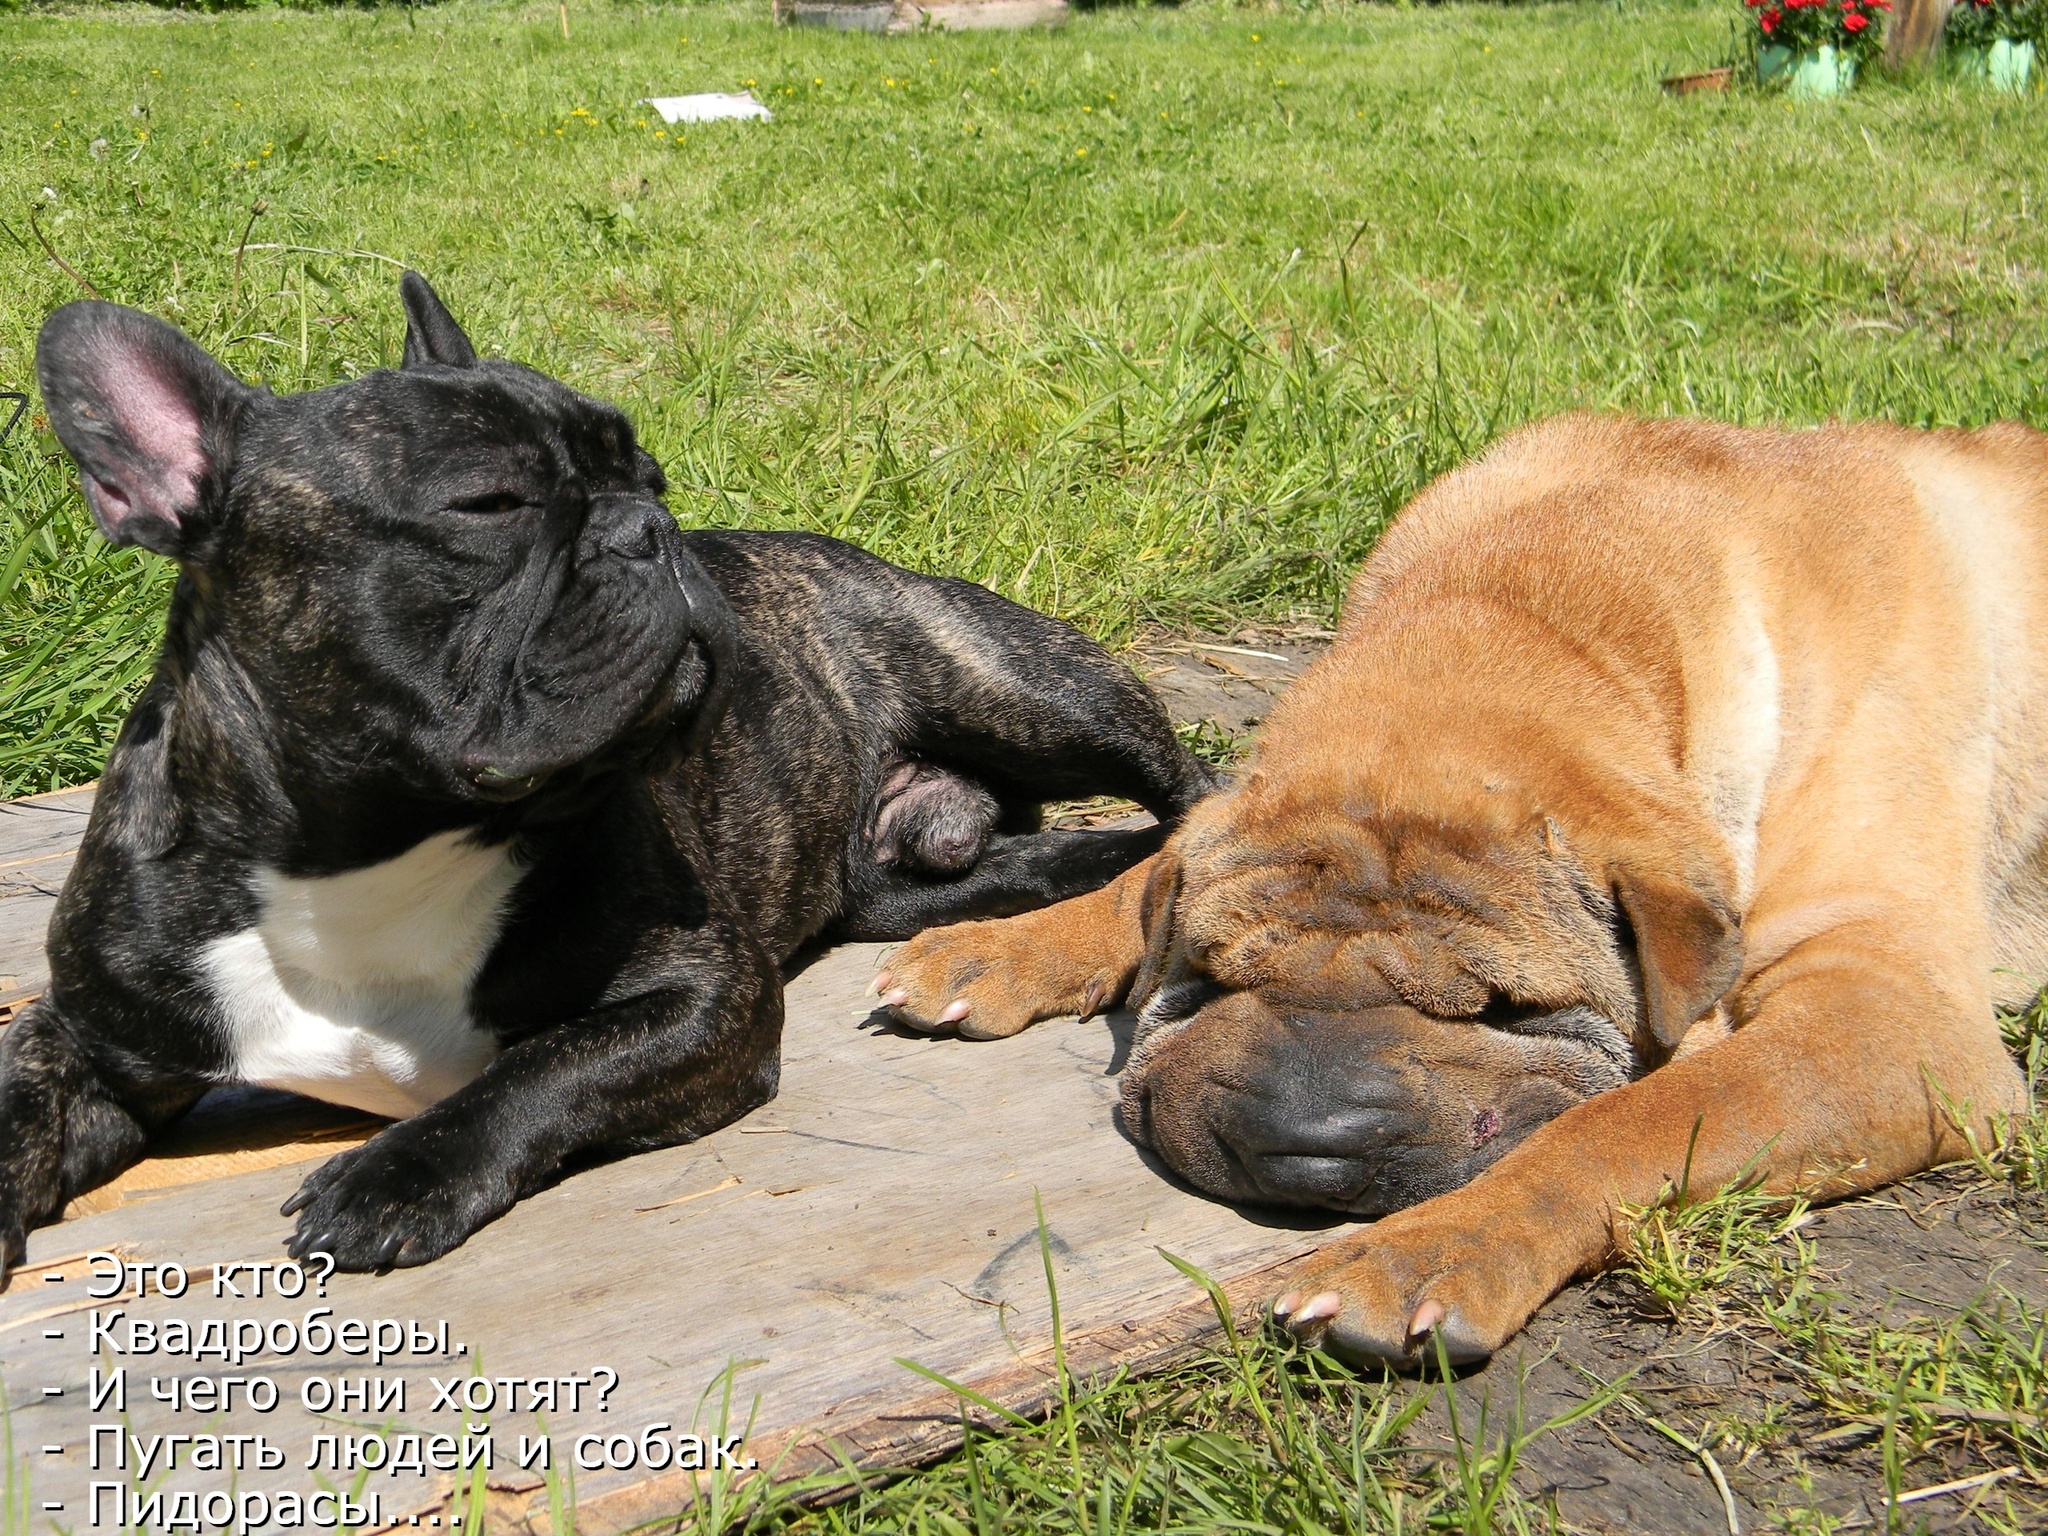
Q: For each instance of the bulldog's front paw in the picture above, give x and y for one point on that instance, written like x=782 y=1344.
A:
x=987 y=980
x=1413 y=1275
x=390 y=1205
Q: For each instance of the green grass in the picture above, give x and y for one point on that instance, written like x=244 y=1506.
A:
x=1154 y=321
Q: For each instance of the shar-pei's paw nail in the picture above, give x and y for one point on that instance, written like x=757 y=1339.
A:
x=1380 y=1308
x=956 y=980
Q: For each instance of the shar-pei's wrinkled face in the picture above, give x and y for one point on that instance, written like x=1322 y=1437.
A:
x=1355 y=1010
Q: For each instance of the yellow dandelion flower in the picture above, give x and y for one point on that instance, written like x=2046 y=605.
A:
x=1083 y=150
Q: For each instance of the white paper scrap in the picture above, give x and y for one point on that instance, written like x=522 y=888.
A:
x=708 y=107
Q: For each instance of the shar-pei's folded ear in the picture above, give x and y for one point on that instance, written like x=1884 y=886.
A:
x=1688 y=946
x=1155 y=916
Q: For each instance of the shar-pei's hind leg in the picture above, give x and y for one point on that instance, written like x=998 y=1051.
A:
x=1847 y=1058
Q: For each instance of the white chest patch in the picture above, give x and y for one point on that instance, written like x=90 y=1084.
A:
x=354 y=988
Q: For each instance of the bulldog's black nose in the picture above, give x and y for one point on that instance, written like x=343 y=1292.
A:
x=634 y=529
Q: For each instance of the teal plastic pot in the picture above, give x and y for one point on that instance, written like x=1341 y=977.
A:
x=1810 y=76
x=2007 y=65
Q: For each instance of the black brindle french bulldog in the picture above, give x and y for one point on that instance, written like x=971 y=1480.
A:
x=471 y=791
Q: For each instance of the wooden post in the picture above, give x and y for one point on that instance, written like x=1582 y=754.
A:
x=1915 y=31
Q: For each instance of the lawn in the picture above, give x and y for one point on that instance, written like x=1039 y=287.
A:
x=1151 y=323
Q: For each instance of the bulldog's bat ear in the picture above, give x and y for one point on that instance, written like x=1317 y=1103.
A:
x=146 y=414
x=431 y=334
x=1688 y=948
x=1155 y=918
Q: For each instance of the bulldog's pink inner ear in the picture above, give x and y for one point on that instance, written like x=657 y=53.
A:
x=159 y=421
x=148 y=483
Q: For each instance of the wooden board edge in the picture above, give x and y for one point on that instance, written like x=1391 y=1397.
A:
x=51 y=794
x=828 y=1463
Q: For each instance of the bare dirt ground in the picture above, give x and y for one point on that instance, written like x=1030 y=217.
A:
x=1895 y=1285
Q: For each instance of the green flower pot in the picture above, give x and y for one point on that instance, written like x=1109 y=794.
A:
x=2007 y=65
x=1808 y=76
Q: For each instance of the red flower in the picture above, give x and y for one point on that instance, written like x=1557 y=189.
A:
x=1769 y=21
x=1855 y=23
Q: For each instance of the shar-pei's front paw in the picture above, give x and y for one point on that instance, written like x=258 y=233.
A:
x=987 y=980
x=1448 y=1267
x=394 y=1202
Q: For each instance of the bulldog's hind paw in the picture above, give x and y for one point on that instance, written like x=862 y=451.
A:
x=386 y=1205
x=986 y=980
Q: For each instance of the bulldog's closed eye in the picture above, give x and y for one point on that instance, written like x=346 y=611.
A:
x=489 y=501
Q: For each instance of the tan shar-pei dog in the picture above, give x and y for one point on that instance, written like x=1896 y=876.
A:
x=1670 y=809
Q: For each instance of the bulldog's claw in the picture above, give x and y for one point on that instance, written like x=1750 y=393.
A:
x=392 y=1203
x=955 y=1011
x=881 y=982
